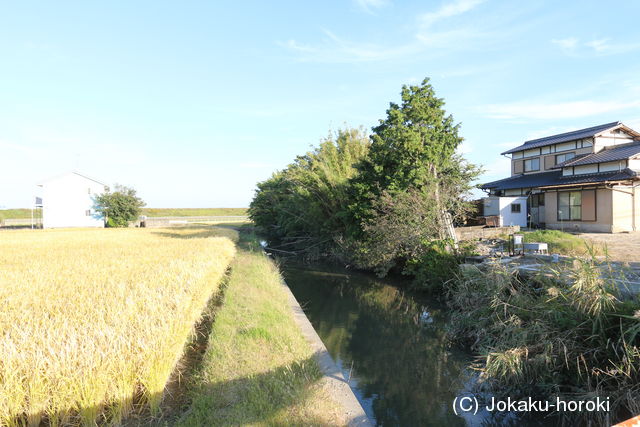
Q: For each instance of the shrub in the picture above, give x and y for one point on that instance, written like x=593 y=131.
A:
x=437 y=264
x=568 y=335
x=119 y=207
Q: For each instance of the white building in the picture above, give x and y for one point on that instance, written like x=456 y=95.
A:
x=510 y=210
x=67 y=201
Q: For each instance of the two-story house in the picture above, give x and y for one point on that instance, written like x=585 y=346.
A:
x=586 y=180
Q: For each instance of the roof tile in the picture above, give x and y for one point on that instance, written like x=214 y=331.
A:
x=563 y=137
x=555 y=178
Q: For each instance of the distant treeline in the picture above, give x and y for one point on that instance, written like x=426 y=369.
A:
x=380 y=201
x=150 y=212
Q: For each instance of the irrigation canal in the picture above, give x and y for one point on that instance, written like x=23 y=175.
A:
x=392 y=346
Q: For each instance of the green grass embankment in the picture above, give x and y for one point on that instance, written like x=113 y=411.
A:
x=15 y=213
x=561 y=242
x=154 y=212
x=257 y=369
x=150 y=212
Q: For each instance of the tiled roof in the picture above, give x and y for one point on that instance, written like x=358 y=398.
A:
x=610 y=154
x=524 y=181
x=555 y=178
x=563 y=137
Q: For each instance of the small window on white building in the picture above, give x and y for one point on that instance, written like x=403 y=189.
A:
x=87 y=212
x=515 y=207
x=88 y=190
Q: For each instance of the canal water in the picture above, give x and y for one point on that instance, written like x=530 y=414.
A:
x=391 y=344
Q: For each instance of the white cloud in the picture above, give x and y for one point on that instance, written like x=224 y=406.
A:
x=599 y=45
x=568 y=43
x=605 y=47
x=334 y=49
x=558 y=110
x=448 y=10
x=602 y=46
x=370 y=5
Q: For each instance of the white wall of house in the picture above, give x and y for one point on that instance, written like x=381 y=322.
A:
x=502 y=206
x=507 y=217
x=68 y=201
x=634 y=164
x=582 y=169
x=612 y=137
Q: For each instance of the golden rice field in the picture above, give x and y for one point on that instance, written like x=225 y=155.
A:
x=91 y=319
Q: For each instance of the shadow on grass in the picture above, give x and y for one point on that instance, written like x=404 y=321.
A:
x=261 y=398
x=199 y=232
x=19 y=227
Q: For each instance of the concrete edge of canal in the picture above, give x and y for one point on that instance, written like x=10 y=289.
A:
x=335 y=382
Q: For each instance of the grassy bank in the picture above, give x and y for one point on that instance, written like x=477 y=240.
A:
x=15 y=213
x=154 y=212
x=93 y=321
x=560 y=242
x=257 y=369
x=150 y=212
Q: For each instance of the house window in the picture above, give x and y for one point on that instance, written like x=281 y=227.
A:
x=87 y=212
x=570 y=206
x=515 y=207
x=88 y=190
x=532 y=165
x=564 y=157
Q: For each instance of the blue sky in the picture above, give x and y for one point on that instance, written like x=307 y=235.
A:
x=192 y=103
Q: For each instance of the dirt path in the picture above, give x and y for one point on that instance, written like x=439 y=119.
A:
x=622 y=246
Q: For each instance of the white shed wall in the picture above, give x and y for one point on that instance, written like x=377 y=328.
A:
x=66 y=200
x=510 y=218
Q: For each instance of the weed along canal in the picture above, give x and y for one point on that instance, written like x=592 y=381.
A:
x=390 y=344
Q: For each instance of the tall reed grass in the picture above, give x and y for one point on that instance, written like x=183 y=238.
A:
x=569 y=332
x=92 y=320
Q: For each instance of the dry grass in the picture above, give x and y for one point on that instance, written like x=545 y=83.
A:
x=92 y=320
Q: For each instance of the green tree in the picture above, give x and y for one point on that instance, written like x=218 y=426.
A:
x=119 y=207
x=304 y=205
x=414 y=147
x=411 y=187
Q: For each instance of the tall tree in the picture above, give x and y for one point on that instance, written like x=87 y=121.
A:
x=414 y=148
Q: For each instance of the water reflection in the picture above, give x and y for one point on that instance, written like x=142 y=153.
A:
x=392 y=345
